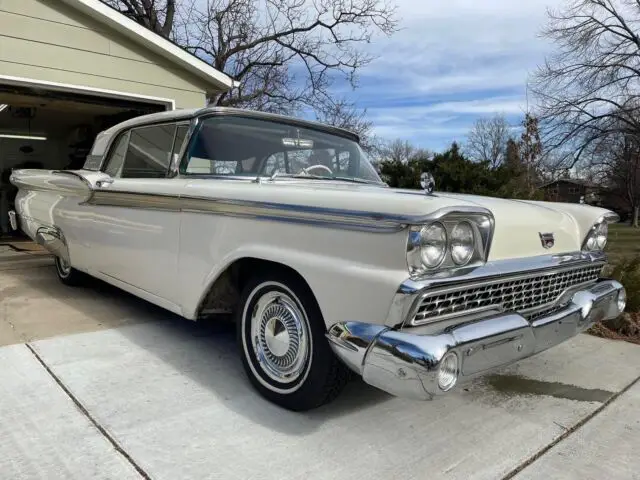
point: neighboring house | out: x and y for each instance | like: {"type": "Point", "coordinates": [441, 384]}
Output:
{"type": "Point", "coordinates": [573, 190]}
{"type": "Point", "coordinates": [70, 68]}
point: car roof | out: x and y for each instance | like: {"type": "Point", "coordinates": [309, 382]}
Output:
{"type": "Point", "coordinates": [188, 114]}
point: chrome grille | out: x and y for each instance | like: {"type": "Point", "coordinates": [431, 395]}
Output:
{"type": "Point", "coordinates": [516, 293]}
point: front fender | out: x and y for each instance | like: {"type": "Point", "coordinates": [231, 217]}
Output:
{"type": "Point", "coordinates": [345, 282]}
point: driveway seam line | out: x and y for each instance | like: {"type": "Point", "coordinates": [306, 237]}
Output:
{"type": "Point", "coordinates": [86, 413]}
{"type": "Point", "coordinates": [568, 432]}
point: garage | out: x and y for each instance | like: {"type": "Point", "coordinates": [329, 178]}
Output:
{"type": "Point", "coordinates": [72, 68]}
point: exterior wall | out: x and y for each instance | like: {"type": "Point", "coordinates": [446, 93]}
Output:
{"type": "Point", "coordinates": [569, 192]}
{"type": "Point", "coordinates": [564, 192]}
{"type": "Point", "coordinates": [47, 40]}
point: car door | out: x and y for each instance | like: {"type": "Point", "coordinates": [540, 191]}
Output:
{"type": "Point", "coordinates": [137, 212]}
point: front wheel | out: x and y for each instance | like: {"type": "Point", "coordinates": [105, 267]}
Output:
{"type": "Point", "coordinates": [282, 341]}
{"type": "Point", "coordinates": [67, 274]}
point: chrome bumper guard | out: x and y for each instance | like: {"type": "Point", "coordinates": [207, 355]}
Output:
{"type": "Point", "coordinates": [420, 366]}
{"type": "Point", "coordinates": [13, 221]}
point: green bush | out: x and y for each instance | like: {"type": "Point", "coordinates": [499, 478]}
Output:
{"type": "Point", "coordinates": [627, 272]}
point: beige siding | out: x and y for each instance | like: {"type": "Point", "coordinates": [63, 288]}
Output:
{"type": "Point", "coordinates": [47, 40]}
{"type": "Point", "coordinates": [182, 98]}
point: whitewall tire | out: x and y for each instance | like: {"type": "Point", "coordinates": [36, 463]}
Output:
{"type": "Point", "coordinates": [281, 335]}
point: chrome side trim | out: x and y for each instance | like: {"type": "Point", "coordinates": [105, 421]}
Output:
{"type": "Point", "coordinates": [53, 240]}
{"type": "Point", "coordinates": [408, 365]}
{"type": "Point", "coordinates": [329, 217]}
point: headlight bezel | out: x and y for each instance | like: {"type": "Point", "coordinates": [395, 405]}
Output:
{"type": "Point", "coordinates": [591, 243]}
{"type": "Point", "coordinates": [482, 225]}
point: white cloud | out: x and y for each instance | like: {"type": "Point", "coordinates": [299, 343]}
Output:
{"type": "Point", "coordinates": [452, 62]}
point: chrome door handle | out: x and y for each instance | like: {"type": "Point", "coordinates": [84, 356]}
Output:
{"type": "Point", "coordinates": [104, 183]}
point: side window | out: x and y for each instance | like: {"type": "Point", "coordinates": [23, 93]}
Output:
{"type": "Point", "coordinates": [116, 158]}
{"type": "Point", "coordinates": [149, 152]}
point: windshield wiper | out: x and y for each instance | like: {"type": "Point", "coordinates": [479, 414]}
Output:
{"type": "Point", "coordinates": [355, 180]}
{"type": "Point", "coordinates": [295, 175]}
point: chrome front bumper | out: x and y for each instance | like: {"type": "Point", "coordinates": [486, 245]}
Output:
{"type": "Point", "coordinates": [409, 365]}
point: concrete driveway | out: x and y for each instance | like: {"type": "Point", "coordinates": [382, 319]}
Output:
{"type": "Point", "coordinates": [98, 384]}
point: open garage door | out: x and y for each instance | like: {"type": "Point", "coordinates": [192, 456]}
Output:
{"type": "Point", "coordinates": [54, 128]}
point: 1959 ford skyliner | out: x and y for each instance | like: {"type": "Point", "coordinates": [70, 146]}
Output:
{"type": "Point", "coordinates": [286, 224]}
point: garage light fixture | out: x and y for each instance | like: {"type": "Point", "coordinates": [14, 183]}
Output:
{"type": "Point", "coordinates": [22, 137]}
{"type": "Point", "coordinates": [3, 106]}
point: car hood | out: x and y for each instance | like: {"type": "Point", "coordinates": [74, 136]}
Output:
{"type": "Point", "coordinates": [518, 223]}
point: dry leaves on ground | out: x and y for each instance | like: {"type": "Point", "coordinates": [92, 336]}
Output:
{"type": "Point", "coordinates": [625, 327]}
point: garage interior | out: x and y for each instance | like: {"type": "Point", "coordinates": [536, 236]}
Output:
{"type": "Point", "coordinates": [52, 129]}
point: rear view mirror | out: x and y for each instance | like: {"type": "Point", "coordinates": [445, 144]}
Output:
{"type": "Point", "coordinates": [297, 142]}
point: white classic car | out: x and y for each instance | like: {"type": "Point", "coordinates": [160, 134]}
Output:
{"type": "Point", "coordinates": [286, 224]}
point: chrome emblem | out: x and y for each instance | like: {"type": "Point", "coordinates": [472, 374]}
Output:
{"type": "Point", "coordinates": [427, 182]}
{"type": "Point", "coordinates": [547, 240]}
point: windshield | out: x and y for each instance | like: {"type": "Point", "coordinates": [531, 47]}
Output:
{"type": "Point", "coordinates": [238, 146]}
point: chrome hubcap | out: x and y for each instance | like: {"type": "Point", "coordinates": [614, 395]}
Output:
{"type": "Point", "coordinates": [279, 337]}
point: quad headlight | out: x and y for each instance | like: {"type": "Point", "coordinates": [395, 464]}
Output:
{"type": "Point", "coordinates": [463, 243]}
{"type": "Point", "coordinates": [433, 244]}
{"type": "Point", "coordinates": [597, 237]}
{"type": "Point", "coordinates": [450, 242]}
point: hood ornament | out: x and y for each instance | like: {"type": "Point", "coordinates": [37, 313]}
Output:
{"type": "Point", "coordinates": [547, 239]}
{"type": "Point", "coordinates": [427, 182]}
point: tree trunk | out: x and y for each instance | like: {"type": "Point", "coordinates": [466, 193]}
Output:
{"type": "Point", "coordinates": [636, 210]}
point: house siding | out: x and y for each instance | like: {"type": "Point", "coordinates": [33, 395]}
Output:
{"type": "Point", "coordinates": [565, 192]}
{"type": "Point", "coordinates": [48, 40]}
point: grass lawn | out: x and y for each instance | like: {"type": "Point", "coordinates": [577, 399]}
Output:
{"type": "Point", "coordinates": [624, 241]}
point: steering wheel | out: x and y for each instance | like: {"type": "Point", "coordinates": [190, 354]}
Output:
{"type": "Point", "coordinates": [319, 165]}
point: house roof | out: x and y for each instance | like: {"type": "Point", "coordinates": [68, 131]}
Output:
{"type": "Point", "coordinates": [154, 42]}
{"type": "Point", "coordinates": [575, 181]}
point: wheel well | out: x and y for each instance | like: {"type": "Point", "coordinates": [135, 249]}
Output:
{"type": "Point", "coordinates": [224, 293]}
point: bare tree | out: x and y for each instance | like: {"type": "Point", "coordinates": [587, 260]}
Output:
{"type": "Point", "coordinates": [284, 54]}
{"type": "Point", "coordinates": [625, 176]}
{"type": "Point", "coordinates": [344, 114]}
{"type": "Point", "coordinates": [616, 160]}
{"type": "Point", "coordinates": [402, 151]}
{"type": "Point", "coordinates": [487, 140]}
{"type": "Point", "coordinates": [590, 88]}
{"type": "Point", "coordinates": [531, 153]}
{"type": "Point", "coordinates": [156, 15]}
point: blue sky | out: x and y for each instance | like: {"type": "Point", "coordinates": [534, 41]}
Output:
{"type": "Point", "coordinates": [452, 62]}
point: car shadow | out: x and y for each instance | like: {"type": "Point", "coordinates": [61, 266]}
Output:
{"type": "Point", "coordinates": [203, 351]}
